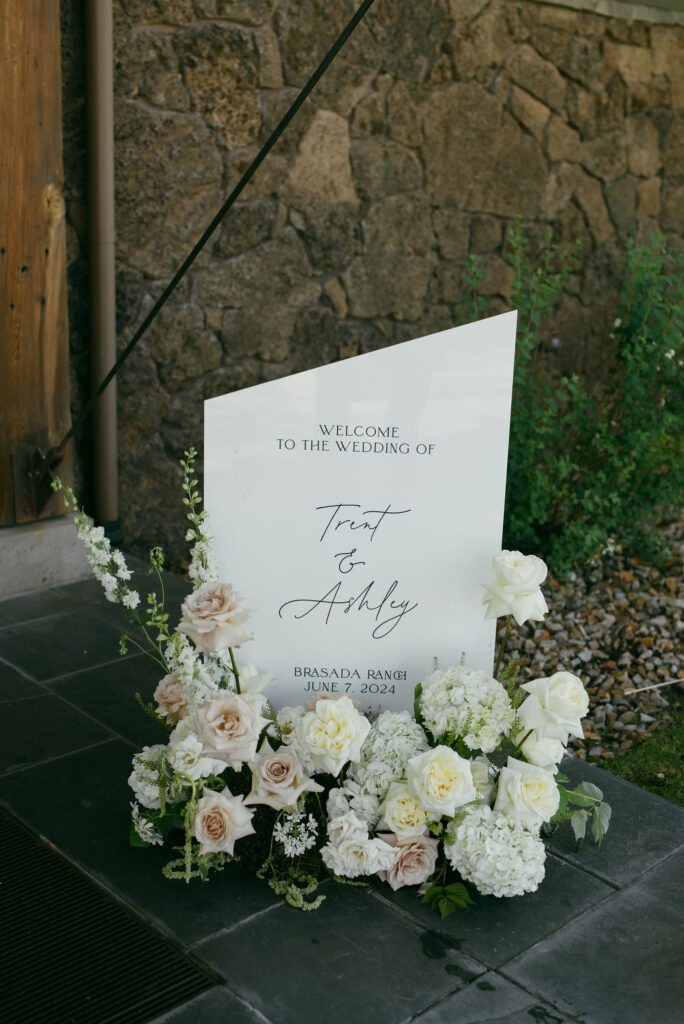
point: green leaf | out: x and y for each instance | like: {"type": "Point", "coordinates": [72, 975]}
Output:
{"type": "Point", "coordinates": [585, 795]}
{"type": "Point", "coordinates": [600, 822]}
{"type": "Point", "coordinates": [563, 805]}
{"type": "Point", "coordinates": [561, 778]}
{"type": "Point", "coordinates": [579, 825]}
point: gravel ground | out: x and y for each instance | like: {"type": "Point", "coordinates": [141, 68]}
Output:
{"type": "Point", "coordinates": [619, 627]}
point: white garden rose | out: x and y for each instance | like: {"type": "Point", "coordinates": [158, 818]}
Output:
{"type": "Point", "coordinates": [214, 617]}
{"type": "Point", "coordinates": [494, 853]}
{"type": "Point", "coordinates": [188, 754]}
{"type": "Point", "coordinates": [346, 826]}
{"type": "Point", "coordinates": [278, 778]}
{"type": "Point", "coordinates": [544, 751]}
{"type": "Point", "coordinates": [415, 860]}
{"type": "Point", "coordinates": [442, 781]}
{"type": "Point", "coordinates": [562, 703]}
{"type": "Point", "coordinates": [220, 820]}
{"type": "Point", "coordinates": [526, 794]}
{"type": "Point", "coordinates": [230, 726]}
{"type": "Point", "coordinates": [515, 589]}
{"type": "Point", "coordinates": [358, 855]}
{"type": "Point", "coordinates": [402, 812]}
{"type": "Point", "coordinates": [333, 734]}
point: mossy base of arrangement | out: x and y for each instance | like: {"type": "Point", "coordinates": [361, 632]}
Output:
{"type": "Point", "coordinates": [454, 798]}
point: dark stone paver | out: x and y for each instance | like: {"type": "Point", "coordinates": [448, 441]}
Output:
{"type": "Point", "coordinates": [380, 965]}
{"type": "Point", "coordinates": [14, 685]}
{"type": "Point", "coordinates": [218, 1006]}
{"type": "Point", "coordinates": [620, 963]}
{"type": "Point", "coordinates": [495, 929]}
{"type": "Point", "coordinates": [107, 692]}
{"type": "Point", "coordinates": [82, 805]}
{"type": "Point", "coordinates": [57, 644]}
{"type": "Point", "coordinates": [42, 727]}
{"type": "Point", "coordinates": [644, 828]}
{"type": "Point", "coordinates": [35, 605]}
{"type": "Point", "coordinates": [491, 999]}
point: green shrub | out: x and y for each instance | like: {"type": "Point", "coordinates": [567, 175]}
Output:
{"type": "Point", "coordinates": [590, 466]}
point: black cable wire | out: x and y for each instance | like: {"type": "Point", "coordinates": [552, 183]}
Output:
{"type": "Point", "coordinates": [209, 230]}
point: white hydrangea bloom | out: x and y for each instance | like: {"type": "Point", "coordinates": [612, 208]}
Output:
{"type": "Point", "coordinates": [144, 779]}
{"type": "Point", "coordinates": [494, 853]}
{"type": "Point", "coordinates": [393, 739]}
{"type": "Point", "coordinates": [468, 703]}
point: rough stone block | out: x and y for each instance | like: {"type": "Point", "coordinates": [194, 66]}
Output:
{"type": "Point", "coordinates": [394, 286]}
{"type": "Point", "coordinates": [536, 75]}
{"type": "Point", "coordinates": [399, 224]}
{"type": "Point", "coordinates": [621, 199]}
{"type": "Point", "coordinates": [321, 168]}
{"type": "Point", "coordinates": [221, 69]}
{"type": "Point", "coordinates": [381, 168]}
{"type": "Point", "coordinates": [452, 230]}
{"type": "Point", "coordinates": [369, 118]}
{"type": "Point", "coordinates": [461, 128]}
{"type": "Point", "coordinates": [605, 156]}
{"type": "Point", "coordinates": [643, 147]}
{"type": "Point", "coordinates": [485, 234]}
{"type": "Point", "coordinates": [529, 111]}
{"type": "Point", "coordinates": [404, 113]}
{"type": "Point", "coordinates": [562, 142]}
{"type": "Point", "coordinates": [648, 198]}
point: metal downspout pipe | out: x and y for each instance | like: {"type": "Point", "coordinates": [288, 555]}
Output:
{"type": "Point", "coordinates": [101, 255]}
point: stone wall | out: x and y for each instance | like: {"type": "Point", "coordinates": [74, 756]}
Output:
{"type": "Point", "coordinates": [438, 124]}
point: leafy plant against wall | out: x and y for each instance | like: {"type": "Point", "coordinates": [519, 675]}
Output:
{"type": "Point", "coordinates": [592, 465]}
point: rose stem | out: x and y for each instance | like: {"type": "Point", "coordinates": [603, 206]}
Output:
{"type": "Point", "coordinates": [235, 670]}
{"type": "Point", "coordinates": [502, 648]}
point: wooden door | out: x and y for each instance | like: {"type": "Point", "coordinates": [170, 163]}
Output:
{"type": "Point", "coordinates": [34, 353]}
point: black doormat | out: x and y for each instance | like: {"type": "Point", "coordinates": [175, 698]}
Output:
{"type": "Point", "coordinates": [70, 954]}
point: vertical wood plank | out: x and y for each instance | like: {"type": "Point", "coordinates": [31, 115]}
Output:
{"type": "Point", "coordinates": [34, 351]}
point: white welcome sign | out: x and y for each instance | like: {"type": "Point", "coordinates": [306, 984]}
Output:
{"type": "Point", "coordinates": [357, 506]}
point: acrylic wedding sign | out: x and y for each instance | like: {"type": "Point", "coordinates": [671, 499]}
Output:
{"type": "Point", "coordinates": [357, 507]}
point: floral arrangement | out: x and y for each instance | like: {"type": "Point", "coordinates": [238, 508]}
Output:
{"type": "Point", "coordinates": [451, 798]}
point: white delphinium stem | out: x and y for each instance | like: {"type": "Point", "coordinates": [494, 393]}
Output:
{"type": "Point", "coordinates": [108, 565]}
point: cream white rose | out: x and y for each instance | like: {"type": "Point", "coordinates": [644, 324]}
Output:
{"type": "Point", "coordinates": [544, 751]}
{"type": "Point", "coordinates": [188, 754]}
{"type": "Point", "coordinates": [415, 860]}
{"type": "Point", "coordinates": [229, 727]}
{"type": "Point", "coordinates": [358, 855]}
{"type": "Point", "coordinates": [333, 734]}
{"type": "Point", "coordinates": [278, 778]}
{"type": "Point", "coordinates": [214, 617]}
{"type": "Point", "coordinates": [442, 781]}
{"type": "Point", "coordinates": [220, 820]}
{"type": "Point", "coordinates": [346, 826]}
{"type": "Point", "coordinates": [526, 794]}
{"type": "Point", "coordinates": [402, 812]}
{"type": "Point", "coordinates": [560, 702]}
{"type": "Point", "coordinates": [170, 702]}
{"type": "Point", "coordinates": [515, 589]}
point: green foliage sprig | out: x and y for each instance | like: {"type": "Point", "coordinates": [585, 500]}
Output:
{"type": "Point", "coordinates": [591, 463]}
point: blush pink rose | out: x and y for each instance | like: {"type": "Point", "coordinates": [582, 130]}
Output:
{"type": "Point", "coordinates": [229, 728]}
{"type": "Point", "coordinates": [278, 778]}
{"type": "Point", "coordinates": [220, 820]}
{"type": "Point", "coordinates": [214, 617]}
{"type": "Point", "coordinates": [170, 703]}
{"type": "Point", "coordinates": [415, 861]}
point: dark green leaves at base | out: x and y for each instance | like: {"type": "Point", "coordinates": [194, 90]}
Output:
{"type": "Point", "coordinates": [448, 898]}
